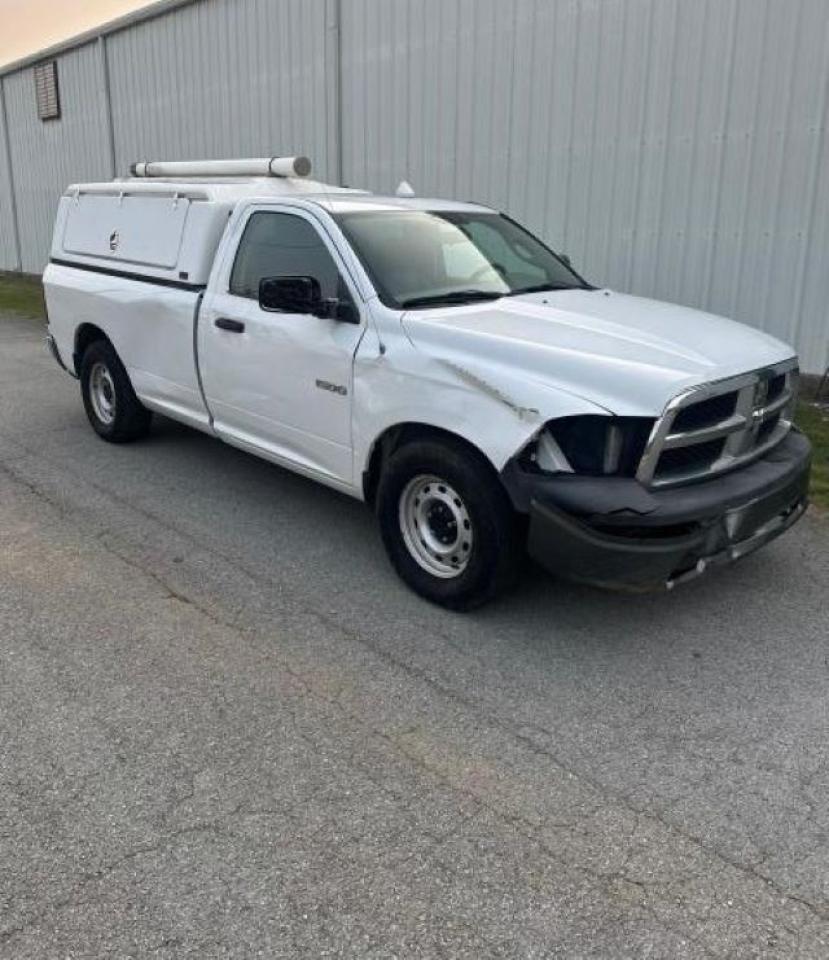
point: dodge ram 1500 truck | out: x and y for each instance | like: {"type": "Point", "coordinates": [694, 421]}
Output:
{"type": "Point", "coordinates": [434, 359]}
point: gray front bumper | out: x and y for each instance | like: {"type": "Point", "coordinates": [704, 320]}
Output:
{"type": "Point", "coordinates": [606, 532]}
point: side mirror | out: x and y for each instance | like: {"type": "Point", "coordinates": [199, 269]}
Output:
{"type": "Point", "coordinates": [290, 294]}
{"type": "Point", "coordinates": [303, 295]}
{"type": "Point", "coordinates": [565, 259]}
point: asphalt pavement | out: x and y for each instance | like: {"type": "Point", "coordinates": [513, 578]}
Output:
{"type": "Point", "coordinates": [228, 730]}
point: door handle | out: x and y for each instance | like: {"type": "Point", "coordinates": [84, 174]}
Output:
{"type": "Point", "coordinates": [232, 326]}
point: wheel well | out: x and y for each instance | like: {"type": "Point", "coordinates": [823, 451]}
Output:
{"type": "Point", "coordinates": [85, 334]}
{"type": "Point", "coordinates": [397, 436]}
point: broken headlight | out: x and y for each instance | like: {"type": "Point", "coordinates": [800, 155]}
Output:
{"type": "Point", "coordinates": [590, 445]}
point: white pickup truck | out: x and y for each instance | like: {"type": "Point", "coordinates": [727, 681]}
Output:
{"type": "Point", "coordinates": [434, 359]}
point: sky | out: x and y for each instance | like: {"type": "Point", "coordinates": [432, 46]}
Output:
{"type": "Point", "coordinates": [27, 26]}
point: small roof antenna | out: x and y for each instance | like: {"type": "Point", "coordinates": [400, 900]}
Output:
{"type": "Point", "coordinates": [404, 189]}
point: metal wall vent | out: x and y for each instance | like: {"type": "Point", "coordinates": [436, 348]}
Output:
{"type": "Point", "coordinates": [46, 90]}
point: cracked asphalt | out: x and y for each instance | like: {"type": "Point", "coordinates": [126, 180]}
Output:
{"type": "Point", "coordinates": [227, 730]}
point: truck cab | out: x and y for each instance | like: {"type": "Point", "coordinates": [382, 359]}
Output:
{"type": "Point", "coordinates": [434, 359]}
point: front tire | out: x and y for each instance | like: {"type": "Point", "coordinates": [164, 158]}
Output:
{"type": "Point", "coordinates": [447, 523]}
{"type": "Point", "coordinates": [113, 409]}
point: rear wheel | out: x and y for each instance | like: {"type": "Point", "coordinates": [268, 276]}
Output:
{"type": "Point", "coordinates": [447, 524]}
{"type": "Point", "coordinates": [113, 409]}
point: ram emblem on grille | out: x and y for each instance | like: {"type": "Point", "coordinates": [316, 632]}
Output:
{"type": "Point", "coordinates": [761, 395]}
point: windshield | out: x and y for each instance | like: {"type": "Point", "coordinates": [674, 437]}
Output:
{"type": "Point", "coordinates": [420, 258]}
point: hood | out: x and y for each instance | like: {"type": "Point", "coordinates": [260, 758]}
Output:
{"type": "Point", "coordinates": [626, 354]}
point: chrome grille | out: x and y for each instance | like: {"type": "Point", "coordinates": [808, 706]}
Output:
{"type": "Point", "coordinates": [706, 412]}
{"type": "Point", "coordinates": [720, 426]}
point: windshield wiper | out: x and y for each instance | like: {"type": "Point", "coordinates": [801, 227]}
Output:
{"type": "Point", "coordinates": [540, 287]}
{"type": "Point", "coordinates": [456, 296]}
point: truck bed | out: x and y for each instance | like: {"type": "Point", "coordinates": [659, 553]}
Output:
{"type": "Point", "coordinates": [151, 326]}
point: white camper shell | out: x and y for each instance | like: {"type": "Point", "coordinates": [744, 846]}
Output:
{"type": "Point", "coordinates": [434, 359]}
{"type": "Point", "coordinates": [167, 223]}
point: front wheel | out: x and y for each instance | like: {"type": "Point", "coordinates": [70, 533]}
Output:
{"type": "Point", "coordinates": [114, 411]}
{"type": "Point", "coordinates": [447, 523]}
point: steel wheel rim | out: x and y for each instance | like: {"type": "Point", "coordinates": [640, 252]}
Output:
{"type": "Point", "coordinates": [436, 526]}
{"type": "Point", "coordinates": [102, 393]}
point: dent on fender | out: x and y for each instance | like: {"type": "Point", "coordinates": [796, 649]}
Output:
{"type": "Point", "coordinates": [433, 391]}
{"type": "Point", "coordinates": [523, 413]}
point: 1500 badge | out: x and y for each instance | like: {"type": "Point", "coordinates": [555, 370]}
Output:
{"type": "Point", "coordinates": [332, 387]}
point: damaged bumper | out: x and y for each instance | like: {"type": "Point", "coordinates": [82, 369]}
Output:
{"type": "Point", "coordinates": [614, 532]}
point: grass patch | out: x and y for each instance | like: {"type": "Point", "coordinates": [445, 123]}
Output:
{"type": "Point", "coordinates": [814, 422]}
{"type": "Point", "coordinates": [21, 295]}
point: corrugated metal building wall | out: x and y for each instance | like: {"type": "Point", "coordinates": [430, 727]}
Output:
{"type": "Point", "coordinates": [46, 155]}
{"type": "Point", "coordinates": [674, 148]}
{"type": "Point", "coordinates": [219, 79]}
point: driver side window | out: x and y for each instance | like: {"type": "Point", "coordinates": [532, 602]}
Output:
{"type": "Point", "coordinates": [283, 245]}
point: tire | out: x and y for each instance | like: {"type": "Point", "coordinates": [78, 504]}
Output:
{"type": "Point", "coordinates": [114, 411]}
{"type": "Point", "coordinates": [447, 524]}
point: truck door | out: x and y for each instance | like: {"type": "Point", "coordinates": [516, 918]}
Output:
{"type": "Point", "coordinates": [281, 383]}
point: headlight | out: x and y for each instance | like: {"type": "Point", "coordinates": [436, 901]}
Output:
{"type": "Point", "coordinates": [591, 445]}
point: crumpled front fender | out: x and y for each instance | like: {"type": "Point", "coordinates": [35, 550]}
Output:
{"type": "Point", "coordinates": [495, 411]}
